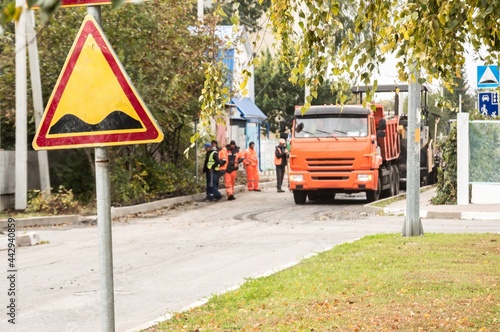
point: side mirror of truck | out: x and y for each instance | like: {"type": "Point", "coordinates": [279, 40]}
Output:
{"type": "Point", "coordinates": [382, 125]}
{"type": "Point", "coordinates": [299, 127]}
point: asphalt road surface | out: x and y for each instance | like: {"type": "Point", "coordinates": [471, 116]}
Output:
{"type": "Point", "coordinates": [169, 259]}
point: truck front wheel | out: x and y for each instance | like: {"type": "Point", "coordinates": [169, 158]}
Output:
{"type": "Point", "coordinates": [374, 195]}
{"type": "Point", "coordinates": [299, 196]}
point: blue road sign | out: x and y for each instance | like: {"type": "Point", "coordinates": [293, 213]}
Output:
{"type": "Point", "coordinates": [487, 77]}
{"type": "Point", "coordinates": [488, 103]}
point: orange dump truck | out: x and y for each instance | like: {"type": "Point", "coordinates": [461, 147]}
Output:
{"type": "Point", "coordinates": [343, 149]}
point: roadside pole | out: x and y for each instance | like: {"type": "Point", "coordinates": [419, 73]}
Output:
{"type": "Point", "coordinates": [196, 151]}
{"type": "Point", "coordinates": [36, 87]}
{"type": "Point", "coordinates": [84, 68]}
{"type": "Point", "coordinates": [21, 153]}
{"type": "Point", "coordinates": [105, 241]}
{"type": "Point", "coordinates": [413, 224]}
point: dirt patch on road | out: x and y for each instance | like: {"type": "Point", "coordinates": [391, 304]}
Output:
{"type": "Point", "coordinates": [353, 212]}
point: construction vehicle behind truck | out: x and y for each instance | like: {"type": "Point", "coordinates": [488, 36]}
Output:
{"type": "Point", "coordinates": [429, 155]}
{"type": "Point", "coordinates": [343, 149]}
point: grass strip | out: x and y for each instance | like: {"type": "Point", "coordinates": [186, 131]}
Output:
{"type": "Point", "coordinates": [436, 282]}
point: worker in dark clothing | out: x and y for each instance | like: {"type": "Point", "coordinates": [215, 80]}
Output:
{"type": "Point", "coordinates": [280, 161]}
{"type": "Point", "coordinates": [210, 168]}
{"type": "Point", "coordinates": [215, 146]}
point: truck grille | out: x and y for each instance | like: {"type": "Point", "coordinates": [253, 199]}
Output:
{"type": "Point", "coordinates": [327, 164]}
{"type": "Point", "coordinates": [329, 178]}
{"type": "Point", "coordinates": [321, 168]}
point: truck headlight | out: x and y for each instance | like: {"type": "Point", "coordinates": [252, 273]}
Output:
{"type": "Point", "coordinates": [297, 178]}
{"type": "Point", "coordinates": [364, 177]}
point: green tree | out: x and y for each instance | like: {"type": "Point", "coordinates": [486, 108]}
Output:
{"type": "Point", "coordinates": [425, 35]}
{"type": "Point", "coordinates": [431, 36]}
{"type": "Point", "coordinates": [445, 104]}
{"type": "Point", "coordinates": [250, 11]}
{"type": "Point", "coordinates": [276, 95]}
{"type": "Point", "coordinates": [164, 55]}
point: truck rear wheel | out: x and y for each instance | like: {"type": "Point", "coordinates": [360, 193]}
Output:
{"type": "Point", "coordinates": [392, 184]}
{"type": "Point", "coordinates": [396, 179]}
{"type": "Point", "coordinates": [299, 197]}
{"type": "Point", "coordinates": [374, 195]}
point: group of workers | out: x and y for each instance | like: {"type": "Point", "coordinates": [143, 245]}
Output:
{"type": "Point", "coordinates": [224, 162]}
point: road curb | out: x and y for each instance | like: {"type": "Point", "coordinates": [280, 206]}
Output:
{"type": "Point", "coordinates": [116, 211]}
{"type": "Point", "coordinates": [23, 239]}
{"type": "Point", "coordinates": [45, 221]}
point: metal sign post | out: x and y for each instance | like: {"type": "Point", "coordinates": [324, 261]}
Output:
{"type": "Point", "coordinates": [76, 118]}
{"type": "Point", "coordinates": [105, 241]}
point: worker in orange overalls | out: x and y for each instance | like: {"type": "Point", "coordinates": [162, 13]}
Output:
{"type": "Point", "coordinates": [233, 157]}
{"type": "Point", "coordinates": [252, 167]}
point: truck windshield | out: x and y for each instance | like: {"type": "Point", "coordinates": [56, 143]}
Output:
{"type": "Point", "coordinates": [343, 126]}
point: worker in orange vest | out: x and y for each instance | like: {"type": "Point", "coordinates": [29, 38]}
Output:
{"type": "Point", "coordinates": [252, 167]}
{"type": "Point", "coordinates": [233, 157]}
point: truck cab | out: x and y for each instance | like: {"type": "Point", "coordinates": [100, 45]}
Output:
{"type": "Point", "coordinates": [342, 149]}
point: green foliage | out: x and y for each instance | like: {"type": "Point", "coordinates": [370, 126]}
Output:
{"type": "Point", "coordinates": [60, 202]}
{"type": "Point", "coordinates": [276, 95]}
{"type": "Point", "coordinates": [72, 169]}
{"type": "Point", "coordinates": [250, 11]}
{"type": "Point", "coordinates": [7, 94]}
{"type": "Point", "coordinates": [164, 56]}
{"type": "Point", "coordinates": [426, 37]}
{"type": "Point", "coordinates": [446, 190]}
{"type": "Point", "coordinates": [47, 8]}
{"type": "Point", "coordinates": [135, 179]}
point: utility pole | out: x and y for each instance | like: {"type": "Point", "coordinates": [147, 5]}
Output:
{"type": "Point", "coordinates": [36, 88]}
{"type": "Point", "coordinates": [200, 10]}
{"type": "Point", "coordinates": [21, 154]}
{"type": "Point", "coordinates": [413, 224]}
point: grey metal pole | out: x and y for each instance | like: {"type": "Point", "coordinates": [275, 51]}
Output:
{"type": "Point", "coordinates": [107, 302]}
{"type": "Point", "coordinates": [196, 151]}
{"type": "Point", "coordinates": [21, 153]}
{"type": "Point", "coordinates": [413, 224]}
{"type": "Point", "coordinates": [36, 89]}
{"type": "Point", "coordinates": [105, 241]}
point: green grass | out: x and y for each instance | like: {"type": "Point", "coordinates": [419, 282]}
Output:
{"type": "Point", "coordinates": [385, 202]}
{"type": "Point", "coordinates": [434, 282]}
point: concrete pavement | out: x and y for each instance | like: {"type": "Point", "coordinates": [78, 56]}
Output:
{"type": "Point", "coordinates": [430, 211]}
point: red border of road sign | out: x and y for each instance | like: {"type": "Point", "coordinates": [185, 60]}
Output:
{"type": "Point", "coordinates": [76, 3]}
{"type": "Point", "coordinates": [152, 134]}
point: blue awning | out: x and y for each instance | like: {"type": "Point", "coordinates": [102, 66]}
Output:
{"type": "Point", "coordinates": [248, 110]}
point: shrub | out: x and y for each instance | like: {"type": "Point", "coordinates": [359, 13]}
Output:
{"type": "Point", "coordinates": [446, 190]}
{"type": "Point", "coordinates": [60, 202]}
{"type": "Point", "coordinates": [139, 179]}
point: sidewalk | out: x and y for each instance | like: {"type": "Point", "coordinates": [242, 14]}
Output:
{"type": "Point", "coordinates": [429, 211]}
